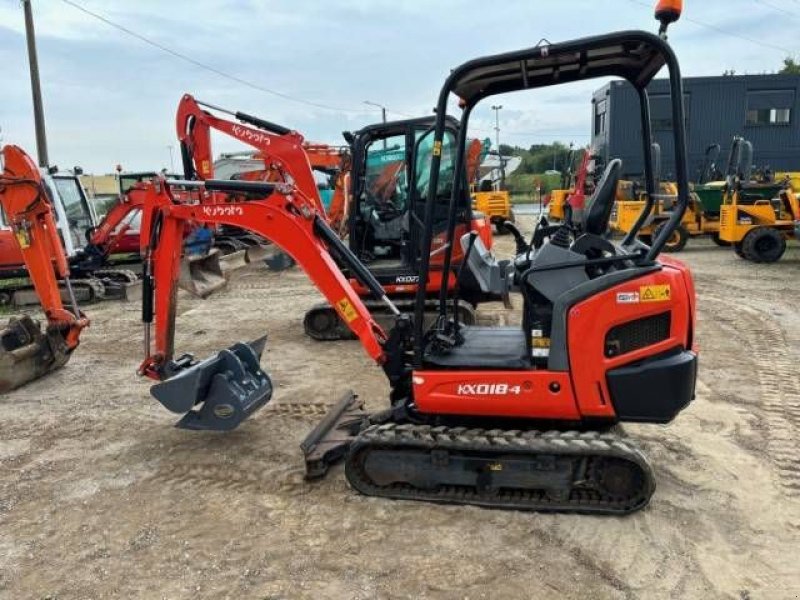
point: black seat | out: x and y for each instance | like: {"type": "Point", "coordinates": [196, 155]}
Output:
{"type": "Point", "coordinates": [485, 348]}
{"type": "Point", "coordinates": [599, 207]}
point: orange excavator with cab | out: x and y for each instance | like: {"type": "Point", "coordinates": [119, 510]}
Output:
{"type": "Point", "coordinates": [382, 207]}
{"type": "Point", "coordinates": [27, 352]}
{"type": "Point", "coordinates": [517, 416]}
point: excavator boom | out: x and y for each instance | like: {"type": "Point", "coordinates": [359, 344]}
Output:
{"type": "Point", "coordinates": [25, 352]}
{"type": "Point", "coordinates": [281, 214]}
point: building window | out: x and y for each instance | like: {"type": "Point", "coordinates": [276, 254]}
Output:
{"type": "Point", "coordinates": [661, 111]}
{"type": "Point", "coordinates": [769, 116]}
{"type": "Point", "coordinates": [600, 118]}
{"type": "Point", "coordinates": [769, 107]}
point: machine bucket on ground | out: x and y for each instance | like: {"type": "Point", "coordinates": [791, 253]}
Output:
{"type": "Point", "coordinates": [26, 353]}
{"type": "Point", "coordinates": [220, 392]}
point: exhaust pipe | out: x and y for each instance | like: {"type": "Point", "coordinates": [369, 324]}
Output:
{"type": "Point", "coordinates": [220, 392]}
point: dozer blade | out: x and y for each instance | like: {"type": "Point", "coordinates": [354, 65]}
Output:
{"type": "Point", "coordinates": [27, 354]}
{"type": "Point", "coordinates": [330, 440]}
{"type": "Point", "coordinates": [233, 261]}
{"type": "Point", "coordinates": [202, 275]}
{"type": "Point", "coordinates": [229, 387]}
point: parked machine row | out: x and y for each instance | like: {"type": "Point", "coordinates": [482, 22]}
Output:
{"type": "Point", "coordinates": [516, 416]}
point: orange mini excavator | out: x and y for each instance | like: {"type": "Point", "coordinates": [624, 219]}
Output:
{"type": "Point", "coordinates": [25, 352]}
{"type": "Point", "coordinates": [505, 417]}
{"type": "Point", "coordinates": [382, 201]}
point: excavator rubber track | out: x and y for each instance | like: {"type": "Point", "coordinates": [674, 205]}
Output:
{"type": "Point", "coordinates": [552, 471]}
{"type": "Point", "coordinates": [86, 291]}
{"type": "Point", "coordinates": [322, 322]}
{"type": "Point", "coordinates": [120, 284]}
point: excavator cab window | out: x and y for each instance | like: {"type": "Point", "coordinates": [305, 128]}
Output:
{"type": "Point", "coordinates": [384, 206]}
{"type": "Point", "coordinates": [76, 207]}
{"type": "Point", "coordinates": [422, 170]}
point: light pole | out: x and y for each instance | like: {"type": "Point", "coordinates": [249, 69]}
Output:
{"type": "Point", "coordinates": [383, 115]}
{"type": "Point", "coordinates": [36, 88]}
{"type": "Point", "coordinates": [171, 159]}
{"type": "Point", "coordinates": [496, 108]}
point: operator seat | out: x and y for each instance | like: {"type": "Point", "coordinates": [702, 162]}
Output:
{"type": "Point", "coordinates": [598, 209]}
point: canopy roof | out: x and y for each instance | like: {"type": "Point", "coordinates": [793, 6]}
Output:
{"type": "Point", "coordinates": [633, 55]}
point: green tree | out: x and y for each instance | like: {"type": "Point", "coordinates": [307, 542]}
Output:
{"type": "Point", "coordinates": [790, 67]}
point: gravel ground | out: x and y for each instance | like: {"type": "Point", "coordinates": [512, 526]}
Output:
{"type": "Point", "coordinates": [101, 498]}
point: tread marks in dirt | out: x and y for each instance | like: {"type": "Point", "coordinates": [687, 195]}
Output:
{"type": "Point", "coordinates": [779, 382]}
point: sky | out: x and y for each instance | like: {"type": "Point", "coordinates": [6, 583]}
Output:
{"type": "Point", "coordinates": [110, 98]}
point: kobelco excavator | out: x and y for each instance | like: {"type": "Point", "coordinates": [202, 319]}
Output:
{"type": "Point", "coordinates": [503, 417]}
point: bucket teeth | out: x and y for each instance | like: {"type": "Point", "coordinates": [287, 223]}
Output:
{"type": "Point", "coordinates": [228, 388]}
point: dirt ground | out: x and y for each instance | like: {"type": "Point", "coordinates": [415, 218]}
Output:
{"type": "Point", "coordinates": [100, 497]}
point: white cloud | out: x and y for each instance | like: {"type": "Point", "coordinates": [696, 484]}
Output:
{"type": "Point", "coordinates": [110, 97]}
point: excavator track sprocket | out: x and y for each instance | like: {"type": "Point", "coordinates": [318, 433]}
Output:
{"type": "Point", "coordinates": [553, 471]}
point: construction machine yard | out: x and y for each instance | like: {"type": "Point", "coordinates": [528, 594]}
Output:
{"type": "Point", "coordinates": [101, 497]}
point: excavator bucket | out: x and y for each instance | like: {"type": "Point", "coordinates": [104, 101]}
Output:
{"type": "Point", "coordinates": [217, 394]}
{"type": "Point", "coordinates": [201, 276]}
{"type": "Point", "coordinates": [233, 260]}
{"type": "Point", "coordinates": [257, 252]}
{"type": "Point", "coordinates": [27, 354]}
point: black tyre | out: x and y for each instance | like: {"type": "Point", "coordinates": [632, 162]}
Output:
{"type": "Point", "coordinates": [737, 247]}
{"type": "Point", "coordinates": [677, 241]}
{"type": "Point", "coordinates": [719, 241]}
{"type": "Point", "coordinates": [763, 245]}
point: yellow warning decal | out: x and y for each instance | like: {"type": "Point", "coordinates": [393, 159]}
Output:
{"type": "Point", "coordinates": [23, 239]}
{"type": "Point", "coordinates": [654, 293]}
{"type": "Point", "coordinates": [437, 148]}
{"type": "Point", "coordinates": [346, 310]}
{"type": "Point", "coordinates": [205, 167]}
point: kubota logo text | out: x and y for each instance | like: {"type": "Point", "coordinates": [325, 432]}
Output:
{"type": "Point", "coordinates": [488, 389]}
{"type": "Point", "coordinates": [249, 135]}
{"type": "Point", "coordinates": [223, 211]}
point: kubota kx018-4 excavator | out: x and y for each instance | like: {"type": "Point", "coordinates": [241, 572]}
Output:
{"type": "Point", "coordinates": [383, 222]}
{"type": "Point", "coordinates": [27, 353]}
{"type": "Point", "coordinates": [504, 417]}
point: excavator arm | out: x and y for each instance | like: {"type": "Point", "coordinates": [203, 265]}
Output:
{"type": "Point", "coordinates": [282, 149]}
{"type": "Point", "coordinates": [25, 353]}
{"type": "Point", "coordinates": [285, 216]}
{"type": "Point", "coordinates": [231, 386]}
{"type": "Point", "coordinates": [114, 226]}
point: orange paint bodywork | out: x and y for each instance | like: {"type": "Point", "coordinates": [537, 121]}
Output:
{"type": "Point", "coordinates": [24, 202]}
{"type": "Point", "coordinates": [583, 391]}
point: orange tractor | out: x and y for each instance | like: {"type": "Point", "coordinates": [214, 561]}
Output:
{"type": "Point", "coordinates": [26, 352]}
{"type": "Point", "coordinates": [505, 417]}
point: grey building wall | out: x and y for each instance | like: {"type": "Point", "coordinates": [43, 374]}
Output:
{"type": "Point", "coordinates": [765, 109]}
